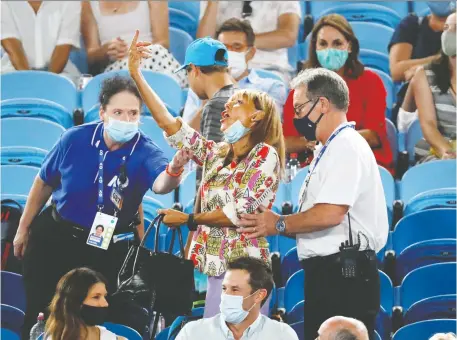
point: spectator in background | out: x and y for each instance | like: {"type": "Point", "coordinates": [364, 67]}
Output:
{"type": "Point", "coordinates": [335, 47]}
{"type": "Point", "coordinates": [245, 289]}
{"type": "Point", "coordinates": [107, 28]}
{"type": "Point", "coordinates": [433, 88]}
{"type": "Point", "coordinates": [416, 41]}
{"type": "Point", "coordinates": [275, 25]}
{"type": "Point", "coordinates": [79, 308]}
{"type": "Point", "coordinates": [238, 37]}
{"type": "Point", "coordinates": [442, 336]}
{"type": "Point", "coordinates": [342, 328]}
{"type": "Point", "coordinates": [39, 35]}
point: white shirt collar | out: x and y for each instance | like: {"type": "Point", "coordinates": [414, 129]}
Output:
{"type": "Point", "coordinates": [250, 330]}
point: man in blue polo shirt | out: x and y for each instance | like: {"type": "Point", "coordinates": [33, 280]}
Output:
{"type": "Point", "coordinates": [97, 174]}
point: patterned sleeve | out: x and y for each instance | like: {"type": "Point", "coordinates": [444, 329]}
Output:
{"type": "Point", "coordinates": [188, 138]}
{"type": "Point", "coordinates": [256, 186]}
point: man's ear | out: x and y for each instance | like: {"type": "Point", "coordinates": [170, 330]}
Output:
{"type": "Point", "coordinates": [256, 117]}
{"type": "Point", "coordinates": [102, 114]}
{"type": "Point", "coordinates": [251, 53]}
{"type": "Point", "coordinates": [325, 105]}
{"type": "Point", "coordinates": [261, 296]}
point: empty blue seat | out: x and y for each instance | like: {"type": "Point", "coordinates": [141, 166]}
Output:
{"type": "Point", "coordinates": [285, 244]}
{"type": "Point", "coordinates": [150, 206]}
{"type": "Point", "coordinates": [38, 94]}
{"type": "Point", "coordinates": [294, 290]}
{"type": "Point", "coordinates": [435, 307]}
{"type": "Point", "coordinates": [282, 195]}
{"type": "Point", "coordinates": [297, 184]}
{"type": "Point", "coordinates": [297, 313]}
{"type": "Point", "coordinates": [289, 264]}
{"type": "Point", "coordinates": [197, 313]}
{"type": "Point", "coordinates": [150, 128]}
{"type": "Point", "coordinates": [375, 60]}
{"type": "Point", "coordinates": [390, 89]}
{"type": "Point", "coordinates": [124, 331]}
{"type": "Point", "coordinates": [163, 335]}
{"type": "Point", "coordinates": [188, 188]}
{"type": "Point", "coordinates": [12, 318]}
{"type": "Point", "coordinates": [365, 31]}
{"type": "Point", "coordinates": [183, 21]}
{"type": "Point", "coordinates": [7, 334]}
{"type": "Point", "coordinates": [375, 13]}
{"type": "Point", "coordinates": [421, 8]}
{"type": "Point", "coordinates": [179, 40]}
{"type": "Point", "coordinates": [400, 7]}
{"type": "Point", "coordinates": [412, 137]}
{"type": "Point", "coordinates": [425, 329]}
{"type": "Point", "coordinates": [17, 179]}
{"type": "Point", "coordinates": [23, 145]}
{"type": "Point", "coordinates": [13, 292]}
{"type": "Point", "coordinates": [299, 328]}
{"type": "Point", "coordinates": [388, 185]}
{"type": "Point", "coordinates": [190, 7]}
{"type": "Point", "coordinates": [166, 200]}
{"type": "Point", "coordinates": [392, 136]}
{"type": "Point", "coordinates": [428, 281]}
{"type": "Point", "coordinates": [387, 293]}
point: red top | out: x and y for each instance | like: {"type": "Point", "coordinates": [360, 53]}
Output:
{"type": "Point", "coordinates": [367, 106]}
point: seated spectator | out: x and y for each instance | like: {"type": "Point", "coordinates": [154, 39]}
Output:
{"type": "Point", "coordinates": [334, 46]}
{"type": "Point", "coordinates": [107, 28]}
{"type": "Point", "coordinates": [39, 35]}
{"type": "Point", "coordinates": [443, 336]}
{"type": "Point", "coordinates": [342, 328]}
{"type": "Point", "coordinates": [416, 41]}
{"type": "Point", "coordinates": [275, 25]}
{"type": "Point", "coordinates": [239, 38]}
{"type": "Point", "coordinates": [246, 286]}
{"type": "Point", "coordinates": [433, 88]}
{"type": "Point", "coordinates": [79, 307]}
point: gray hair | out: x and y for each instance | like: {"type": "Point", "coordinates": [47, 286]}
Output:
{"type": "Point", "coordinates": [321, 82]}
{"type": "Point", "coordinates": [344, 334]}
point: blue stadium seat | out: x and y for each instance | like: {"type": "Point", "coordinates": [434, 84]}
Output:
{"type": "Point", "coordinates": [421, 8]}
{"type": "Point", "coordinates": [392, 136]}
{"type": "Point", "coordinates": [289, 264]}
{"type": "Point", "coordinates": [179, 40]}
{"type": "Point", "coordinates": [375, 60]}
{"type": "Point", "coordinates": [163, 335]}
{"type": "Point", "coordinates": [13, 293]}
{"type": "Point", "coordinates": [425, 329]}
{"type": "Point", "coordinates": [390, 89]}
{"type": "Point", "coordinates": [166, 200]}
{"type": "Point", "coordinates": [294, 290]}
{"type": "Point", "coordinates": [78, 56]}
{"type": "Point", "coordinates": [268, 74]}
{"type": "Point", "coordinates": [17, 179]}
{"type": "Point", "coordinates": [365, 31]}
{"type": "Point", "coordinates": [124, 331]}
{"type": "Point", "coordinates": [12, 318]}
{"type": "Point", "coordinates": [412, 137]}
{"type": "Point", "coordinates": [387, 293]}
{"type": "Point", "coordinates": [296, 184]}
{"type": "Point", "coordinates": [183, 21]}
{"type": "Point", "coordinates": [7, 334]}
{"type": "Point", "coordinates": [366, 13]}
{"type": "Point", "coordinates": [435, 307]}
{"type": "Point", "coordinates": [190, 7]}
{"type": "Point", "coordinates": [150, 206]}
{"type": "Point", "coordinates": [285, 244]}
{"type": "Point", "coordinates": [297, 313]}
{"type": "Point", "coordinates": [299, 328]}
{"type": "Point", "coordinates": [188, 188]}
{"type": "Point", "coordinates": [400, 7]}
{"type": "Point", "coordinates": [383, 324]}
{"type": "Point", "coordinates": [22, 145]}
{"type": "Point", "coordinates": [150, 128]}
{"type": "Point", "coordinates": [388, 185]}
{"type": "Point", "coordinates": [197, 313]}
{"type": "Point", "coordinates": [282, 195]}
{"type": "Point", "coordinates": [437, 191]}
{"type": "Point", "coordinates": [428, 281]}
{"type": "Point", "coordinates": [165, 86]}
{"type": "Point", "coordinates": [38, 94]}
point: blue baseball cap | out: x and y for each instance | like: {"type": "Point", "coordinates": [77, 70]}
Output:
{"type": "Point", "coordinates": [205, 52]}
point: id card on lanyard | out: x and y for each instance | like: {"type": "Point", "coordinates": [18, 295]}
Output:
{"type": "Point", "coordinates": [313, 165]}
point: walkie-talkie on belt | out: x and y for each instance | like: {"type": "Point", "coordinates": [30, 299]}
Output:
{"type": "Point", "coordinates": [349, 254]}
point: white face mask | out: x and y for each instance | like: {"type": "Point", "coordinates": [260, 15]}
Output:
{"type": "Point", "coordinates": [232, 308]}
{"type": "Point", "coordinates": [237, 63]}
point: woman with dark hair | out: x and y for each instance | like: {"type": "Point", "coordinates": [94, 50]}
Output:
{"type": "Point", "coordinates": [79, 307]}
{"type": "Point", "coordinates": [97, 174]}
{"type": "Point", "coordinates": [334, 46]}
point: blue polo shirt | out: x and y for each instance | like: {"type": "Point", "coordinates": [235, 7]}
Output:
{"type": "Point", "coordinates": [71, 169]}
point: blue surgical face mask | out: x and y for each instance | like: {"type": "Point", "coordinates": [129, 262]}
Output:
{"type": "Point", "coordinates": [441, 8]}
{"type": "Point", "coordinates": [120, 131]}
{"type": "Point", "coordinates": [235, 132]}
{"type": "Point", "coordinates": [332, 59]}
{"type": "Point", "coordinates": [232, 308]}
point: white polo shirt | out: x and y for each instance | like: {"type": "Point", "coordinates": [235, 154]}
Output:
{"type": "Point", "coordinates": [347, 174]}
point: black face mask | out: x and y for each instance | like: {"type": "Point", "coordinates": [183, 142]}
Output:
{"type": "Point", "coordinates": [305, 126]}
{"type": "Point", "coordinates": [93, 316]}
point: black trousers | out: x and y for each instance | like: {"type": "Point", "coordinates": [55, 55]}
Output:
{"type": "Point", "coordinates": [328, 293]}
{"type": "Point", "coordinates": [55, 248]}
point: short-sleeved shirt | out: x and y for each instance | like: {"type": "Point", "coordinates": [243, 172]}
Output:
{"type": "Point", "coordinates": [71, 169]}
{"type": "Point", "coordinates": [56, 23]}
{"type": "Point", "coordinates": [273, 87]}
{"type": "Point", "coordinates": [264, 18]}
{"type": "Point", "coordinates": [417, 32]}
{"type": "Point", "coordinates": [234, 188]}
{"type": "Point", "coordinates": [347, 174]}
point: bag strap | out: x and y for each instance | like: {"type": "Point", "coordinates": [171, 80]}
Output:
{"type": "Point", "coordinates": [180, 240]}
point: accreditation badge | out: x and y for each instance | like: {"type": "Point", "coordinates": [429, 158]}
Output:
{"type": "Point", "coordinates": [102, 230]}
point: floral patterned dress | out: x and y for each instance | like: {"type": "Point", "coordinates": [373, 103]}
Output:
{"type": "Point", "coordinates": [236, 189]}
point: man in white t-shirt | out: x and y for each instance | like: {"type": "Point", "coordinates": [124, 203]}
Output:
{"type": "Point", "coordinates": [275, 25]}
{"type": "Point", "coordinates": [342, 192]}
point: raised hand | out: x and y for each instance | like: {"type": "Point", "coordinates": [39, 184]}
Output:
{"type": "Point", "coordinates": [181, 158]}
{"type": "Point", "coordinates": [137, 51]}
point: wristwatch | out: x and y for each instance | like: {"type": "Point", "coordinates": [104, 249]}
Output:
{"type": "Point", "coordinates": [281, 224]}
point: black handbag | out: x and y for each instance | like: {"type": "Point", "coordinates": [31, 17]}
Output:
{"type": "Point", "coordinates": [152, 282]}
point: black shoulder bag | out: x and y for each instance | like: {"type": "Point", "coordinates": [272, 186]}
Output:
{"type": "Point", "coordinates": [11, 214]}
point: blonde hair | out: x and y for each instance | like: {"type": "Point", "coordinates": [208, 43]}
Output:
{"type": "Point", "coordinates": [269, 129]}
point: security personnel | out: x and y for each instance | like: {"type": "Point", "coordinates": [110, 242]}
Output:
{"type": "Point", "coordinates": [97, 174]}
{"type": "Point", "coordinates": [342, 219]}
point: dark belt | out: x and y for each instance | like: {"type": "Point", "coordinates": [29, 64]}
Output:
{"type": "Point", "coordinates": [77, 230]}
{"type": "Point", "coordinates": [334, 258]}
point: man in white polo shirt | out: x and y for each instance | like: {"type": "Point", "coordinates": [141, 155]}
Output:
{"type": "Point", "coordinates": [342, 221]}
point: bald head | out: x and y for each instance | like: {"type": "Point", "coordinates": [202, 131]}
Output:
{"type": "Point", "coordinates": [342, 328]}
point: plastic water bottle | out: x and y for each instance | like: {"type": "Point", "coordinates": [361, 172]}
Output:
{"type": "Point", "coordinates": [38, 328]}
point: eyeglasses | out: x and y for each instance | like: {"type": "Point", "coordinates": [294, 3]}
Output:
{"type": "Point", "coordinates": [298, 109]}
{"type": "Point", "coordinates": [247, 9]}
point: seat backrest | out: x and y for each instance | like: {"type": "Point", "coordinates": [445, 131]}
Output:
{"type": "Point", "coordinates": [297, 313]}
{"type": "Point", "coordinates": [424, 282]}
{"type": "Point", "coordinates": [365, 31]}
{"type": "Point", "coordinates": [413, 135]}
{"type": "Point", "coordinates": [392, 137]}
{"type": "Point", "coordinates": [183, 21]}
{"type": "Point", "coordinates": [188, 188]}
{"type": "Point", "coordinates": [297, 184]}
{"type": "Point", "coordinates": [179, 40]}
{"type": "Point", "coordinates": [299, 328]}
{"type": "Point", "coordinates": [13, 292]}
{"type": "Point", "coordinates": [294, 291]}
{"type": "Point", "coordinates": [7, 334]}
{"type": "Point", "coordinates": [282, 195]}
{"type": "Point", "coordinates": [388, 85]}
{"type": "Point", "coordinates": [435, 307]}
{"type": "Point", "coordinates": [23, 132]}
{"type": "Point", "coordinates": [190, 7]}
{"type": "Point", "coordinates": [420, 7]}
{"type": "Point", "coordinates": [425, 329]}
{"type": "Point", "coordinates": [41, 85]}
{"type": "Point", "coordinates": [424, 225]}
{"type": "Point", "coordinates": [12, 317]}
{"type": "Point", "coordinates": [17, 179]}
{"type": "Point", "coordinates": [388, 185]}
{"type": "Point", "coordinates": [438, 175]}
{"type": "Point", "coordinates": [124, 331]}
{"type": "Point", "coordinates": [290, 264]}
{"type": "Point", "coordinates": [375, 60]}
{"type": "Point", "coordinates": [387, 292]}
{"type": "Point", "coordinates": [400, 7]}
{"type": "Point", "coordinates": [150, 128]}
